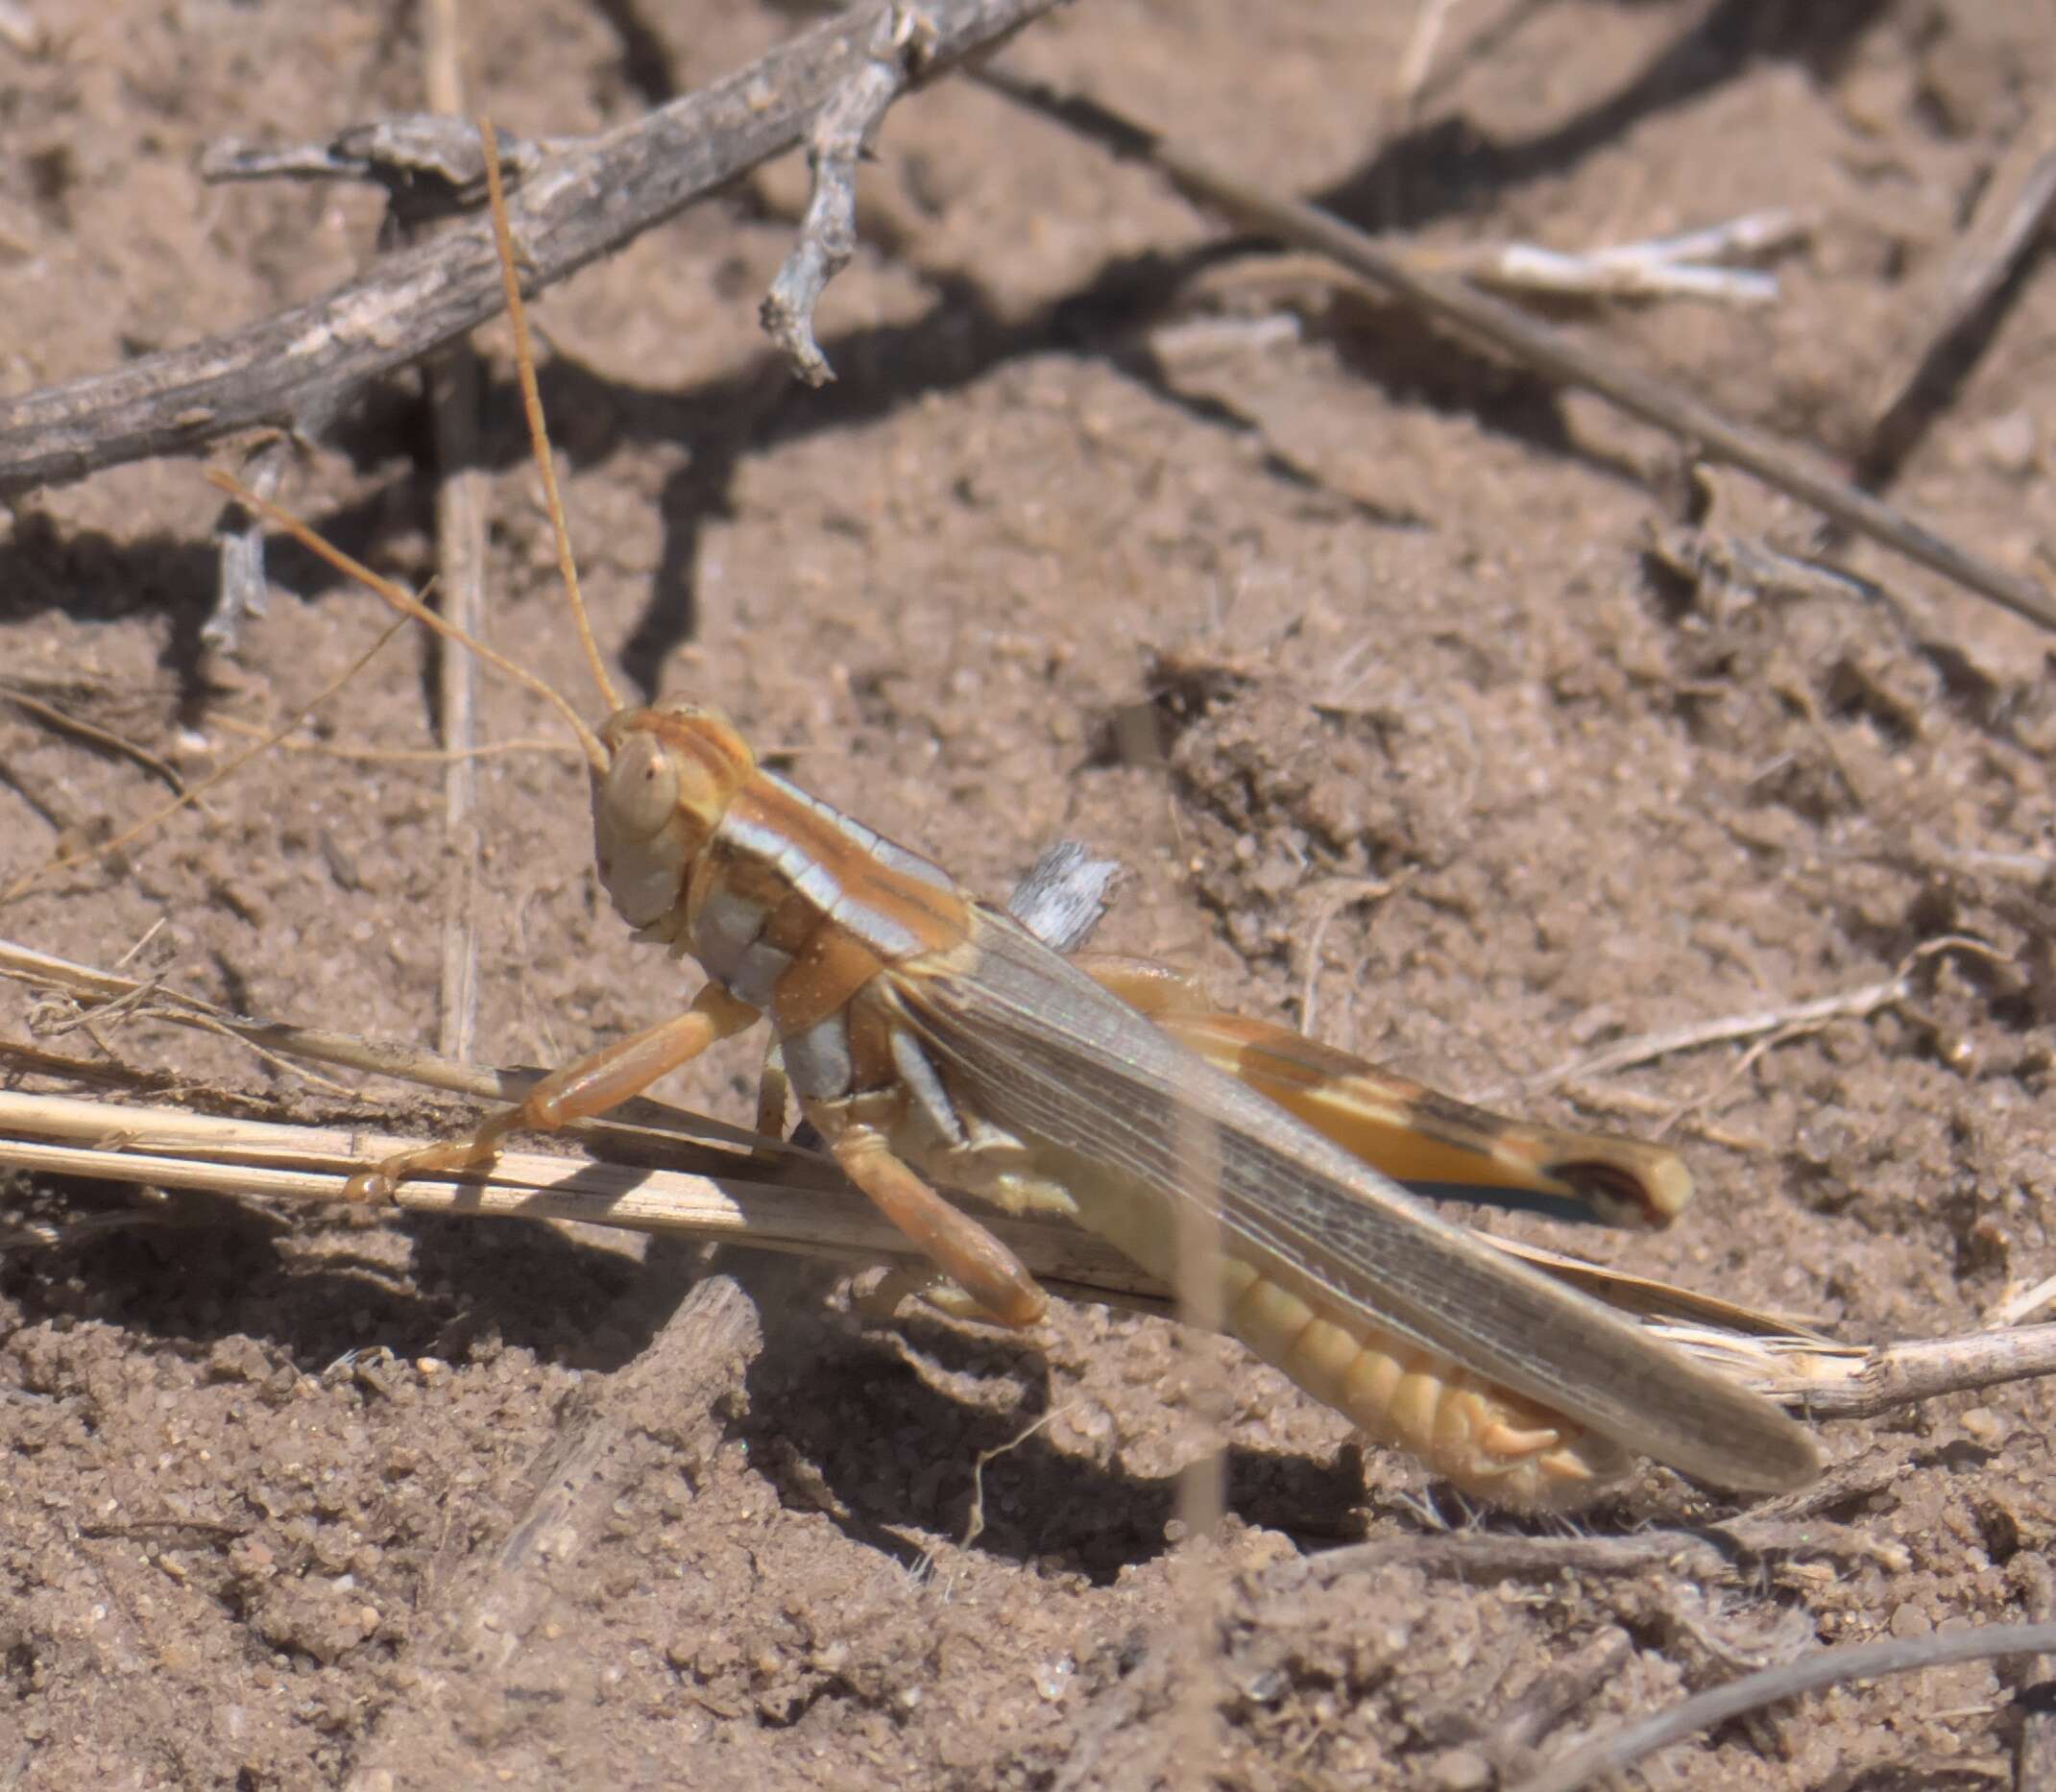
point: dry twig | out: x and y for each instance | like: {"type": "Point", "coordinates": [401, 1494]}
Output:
{"type": "Point", "coordinates": [1711, 434]}
{"type": "Point", "coordinates": [1684, 266]}
{"type": "Point", "coordinates": [1810, 1673]}
{"type": "Point", "coordinates": [1790, 1021]}
{"type": "Point", "coordinates": [2018, 1306]}
{"type": "Point", "coordinates": [1718, 1552]}
{"type": "Point", "coordinates": [240, 588]}
{"type": "Point", "coordinates": [296, 367]}
{"type": "Point", "coordinates": [1831, 1380]}
{"type": "Point", "coordinates": [2009, 219]}
{"type": "Point", "coordinates": [430, 164]}
{"type": "Point", "coordinates": [838, 139]}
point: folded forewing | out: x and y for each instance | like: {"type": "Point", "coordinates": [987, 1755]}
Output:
{"type": "Point", "coordinates": [1042, 1051]}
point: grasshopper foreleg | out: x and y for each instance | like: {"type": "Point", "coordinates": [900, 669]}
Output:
{"type": "Point", "coordinates": [603, 1079]}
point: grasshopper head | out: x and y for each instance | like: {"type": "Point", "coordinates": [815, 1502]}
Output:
{"type": "Point", "coordinates": [672, 771]}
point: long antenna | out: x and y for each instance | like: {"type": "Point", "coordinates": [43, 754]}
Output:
{"type": "Point", "coordinates": [22, 884]}
{"type": "Point", "coordinates": [524, 367]}
{"type": "Point", "coordinates": [407, 604]}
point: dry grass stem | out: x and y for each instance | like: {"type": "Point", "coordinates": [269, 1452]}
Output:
{"type": "Point", "coordinates": [119, 996]}
{"type": "Point", "coordinates": [58, 719]}
{"type": "Point", "coordinates": [1790, 1021]}
{"type": "Point", "coordinates": [172, 1148]}
{"type": "Point", "coordinates": [28, 880]}
{"type": "Point", "coordinates": [454, 389]}
{"type": "Point", "coordinates": [1810, 1673]}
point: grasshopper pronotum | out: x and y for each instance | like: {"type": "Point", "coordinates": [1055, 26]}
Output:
{"type": "Point", "coordinates": [929, 1036]}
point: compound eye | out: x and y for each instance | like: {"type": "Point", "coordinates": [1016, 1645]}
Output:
{"type": "Point", "coordinates": [642, 791]}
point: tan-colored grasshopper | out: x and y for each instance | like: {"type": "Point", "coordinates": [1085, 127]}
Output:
{"type": "Point", "coordinates": [931, 1039]}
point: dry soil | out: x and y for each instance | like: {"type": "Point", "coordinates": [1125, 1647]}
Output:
{"type": "Point", "coordinates": [1114, 531]}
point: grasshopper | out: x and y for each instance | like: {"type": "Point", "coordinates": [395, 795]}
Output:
{"type": "Point", "coordinates": [931, 1039]}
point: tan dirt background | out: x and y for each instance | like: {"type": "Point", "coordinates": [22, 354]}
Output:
{"type": "Point", "coordinates": [1388, 604]}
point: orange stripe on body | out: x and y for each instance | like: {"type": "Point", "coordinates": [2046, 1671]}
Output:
{"type": "Point", "coordinates": [884, 916]}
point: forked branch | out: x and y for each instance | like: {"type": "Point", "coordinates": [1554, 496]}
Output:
{"type": "Point", "coordinates": [289, 370]}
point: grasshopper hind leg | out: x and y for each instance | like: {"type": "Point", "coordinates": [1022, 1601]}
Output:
{"type": "Point", "coordinates": [1398, 1127]}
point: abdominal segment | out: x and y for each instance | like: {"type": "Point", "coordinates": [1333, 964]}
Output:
{"type": "Point", "coordinates": [1488, 1439]}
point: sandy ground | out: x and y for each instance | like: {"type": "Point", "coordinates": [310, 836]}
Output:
{"type": "Point", "coordinates": [1384, 605]}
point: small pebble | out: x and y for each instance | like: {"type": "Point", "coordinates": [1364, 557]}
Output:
{"type": "Point", "coordinates": [1461, 1770]}
{"type": "Point", "coordinates": [2009, 444]}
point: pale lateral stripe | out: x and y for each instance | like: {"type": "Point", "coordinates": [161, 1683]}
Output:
{"type": "Point", "coordinates": [762, 839]}
{"type": "Point", "coordinates": [889, 852]}
{"type": "Point", "coordinates": [816, 882]}
{"type": "Point", "coordinates": [846, 825]}
{"type": "Point", "coordinates": [887, 937]}
{"type": "Point", "coordinates": [793, 863]}
{"type": "Point", "coordinates": [755, 838]}
{"type": "Point", "coordinates": [877, 930]}
{"type": "Point", "coordinates": [896, 857]}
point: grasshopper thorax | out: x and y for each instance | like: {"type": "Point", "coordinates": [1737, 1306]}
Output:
{"type": "Point", "coordinates": [672, 773]}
